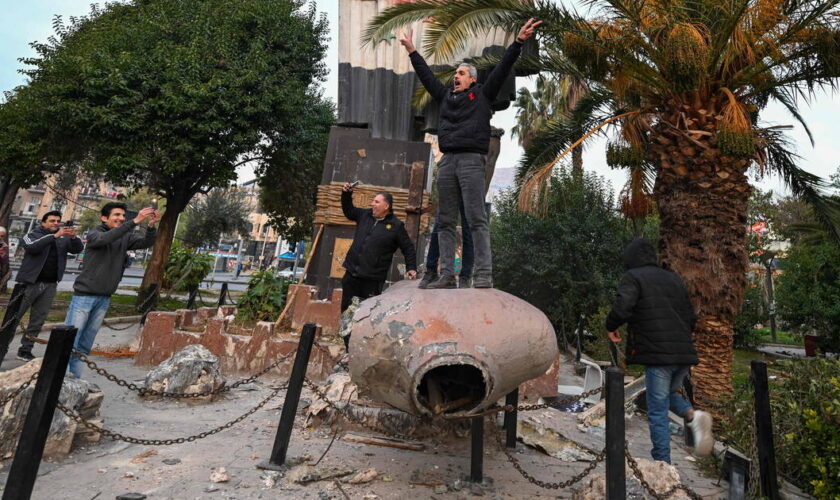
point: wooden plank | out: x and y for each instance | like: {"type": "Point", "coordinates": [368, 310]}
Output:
{"type": "Point", "coordinates": [381, 441]}
{"type": "Point", "coordinates": [340, 249]}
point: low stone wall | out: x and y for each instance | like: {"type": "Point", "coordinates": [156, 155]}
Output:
{"type": "Point", "coordinates": [305, 308]}
{"type": "Point", "coordinates": [166, 332]}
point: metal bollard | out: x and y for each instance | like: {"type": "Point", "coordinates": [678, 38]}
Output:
{"type": "Point", "coordinates": [615, 434]}
{"type": "Point", "coordinates": [223, 293]}
{"type": "Point", "coordinates": [477, 450]}
{"type": "Point", "coordinates": [764, 431]}
{"type": "Point", "coordinates": [39, 416]}
{"type": "Point", "coordinates": [193, 289]}
{"type": "Point", "coordinates": [510, 418]}
{"type": "Point", "coordinates": [290, 405]}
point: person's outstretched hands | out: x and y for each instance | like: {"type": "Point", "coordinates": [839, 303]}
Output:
{"type": "Point", "coordinates": [527, 31]}
{"type": "Point", "coordinates": [406, 40]}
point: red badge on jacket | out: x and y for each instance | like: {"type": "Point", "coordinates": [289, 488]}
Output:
{"type": "Point", "coordinates": [471, 96]}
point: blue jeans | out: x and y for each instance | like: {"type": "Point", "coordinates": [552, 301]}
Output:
{"type": "Point", "coordinates": [661, 385]}
{"type": "Point", "coordinates": [86, 313]}
{"type": "Point", "coordinates": [466, 250]}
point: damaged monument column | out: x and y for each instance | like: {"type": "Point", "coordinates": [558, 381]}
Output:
{"type": "Point", "coordinates": [452, 352]}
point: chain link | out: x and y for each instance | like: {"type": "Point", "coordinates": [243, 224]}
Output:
{"type": "Point", "coordinates": [531, 407]}
{"type": "Point", "coordinates": [600, 457]}
{"type": "Point", "coordinates": [346, 415]}
{"type": "Point", "coordinates": [143, 391]}
{"type": "Point", "coordinates": [19, 390]}
{"type": "Point", "coordinates": [165, 442]}
{"type": "Point", "coordinates": [634, 466]}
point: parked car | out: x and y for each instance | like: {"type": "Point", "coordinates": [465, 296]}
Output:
{"type": "Point", "coordinates": [287, 273]}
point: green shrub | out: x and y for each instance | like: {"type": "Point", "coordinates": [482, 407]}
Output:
{"type": "Point", "coordinates": [185, 268]}
{"type": "Point", "coordinates": [805, 405]}
{"type": "Point", "coordinates": [264, 298]}
{"type": "Point", "coordinates": [752, 312]}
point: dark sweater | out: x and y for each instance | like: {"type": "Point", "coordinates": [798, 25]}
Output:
{"type": "Point", "coordinates": [105, 255]}
{"type": "Point", "coordinates": [464, 124]}
{"type": "Point", "coordinates": [375, 242]}
{"type": "Point", "coordinates": [36, 247]}
{"type": "Point", "coordinates": [655, 305]}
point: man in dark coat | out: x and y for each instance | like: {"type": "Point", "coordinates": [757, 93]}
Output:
{"type": "Point", "coordinates": [464, 139]}
{"type": "Point", "coordinates": [379, 233]}
{"type": "Point", "coordinates": [660, 318]}
{"type": "Point", "coordinates": [44, 259]}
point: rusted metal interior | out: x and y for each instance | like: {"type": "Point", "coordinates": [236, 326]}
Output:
{"type": "Point", "coordinates": [451, 388]}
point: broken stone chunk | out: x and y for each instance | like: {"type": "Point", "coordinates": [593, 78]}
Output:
{"type": "Point", "coordinates": [306, 474]}
{"type": "Point", "coordinates": [219, 475]}
{"type": "Point", "coordinates": [364, 476]}
{"type": "Point", "coordinates": [191, 370]}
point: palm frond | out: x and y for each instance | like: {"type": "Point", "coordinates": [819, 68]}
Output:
{"type": "Point", "coordinates": [398, 16]}
{"type": "Point", "coordinates": [777, 157]}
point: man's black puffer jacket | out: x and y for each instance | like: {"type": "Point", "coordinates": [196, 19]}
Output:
{"type": "Point", "coordinates": [655, 305]}
{"type": "Point", "coordinates": [375, 242]}
{"type": "Point", "coordinates": [464, 125]}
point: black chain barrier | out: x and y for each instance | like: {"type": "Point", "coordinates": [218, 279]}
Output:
{"type": "Point", "coordinates": [143, 391]}
{"type": "Point", "coordinates": [116, 436]}
{"type": "Point", "coordinates": [19, 390]}
{"type": "Point", "coordinates": [600, 457]}
{"type": "Point", "coordinates": [634, 466]}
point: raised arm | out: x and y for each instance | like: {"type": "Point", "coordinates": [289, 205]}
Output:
{"type": "Point", "coordinates": [500, 72]}
{"type": "Point", "coordinates": [427, 77]}
{"type": "Point", "coordinates": [34, 244]}
{"type": "Point", "coordinates": [98, 239]}
{"type": "Point", "coordinates": [350, 210]}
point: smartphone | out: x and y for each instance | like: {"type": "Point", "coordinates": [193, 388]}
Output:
{"type": "Point", "coordinates": [69, 223]}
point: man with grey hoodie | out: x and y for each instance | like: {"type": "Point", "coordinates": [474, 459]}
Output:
{"type": "Point", "coordinates": [104, 263]}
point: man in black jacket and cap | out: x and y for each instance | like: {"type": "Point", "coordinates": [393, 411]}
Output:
{"type": "Point", "coordinates": [379, 233]}
{"type": "Point", "coordinates": [44, 258]}
{"type": "Point", "coordinates": [464, 139]}
{"type": "Point", "coordinates": [660, 319]}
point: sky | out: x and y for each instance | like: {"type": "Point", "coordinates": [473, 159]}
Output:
{"type": "Point", "coordinates": [30, 21]}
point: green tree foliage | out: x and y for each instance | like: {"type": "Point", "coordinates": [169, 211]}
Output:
{"type": "Point", "coordinates": [808, 293]}
{"type": "Point", "coordinates": [264, 298]}
{"type": "Point", "coordinates": [186, 268]}
{"type": "Point", "coordinates": [573, 253]}
{"type": "Point", "coordinates": [175, 95]}
{"type": "Point", "coordinates": [222, 211]}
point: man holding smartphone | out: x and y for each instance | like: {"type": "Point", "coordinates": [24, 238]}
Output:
{"type": "Point", "coordinates": [44, 258]}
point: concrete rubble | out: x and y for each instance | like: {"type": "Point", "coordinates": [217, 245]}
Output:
{"type": "Point", "coordinates": [534, 431]}
{"type": "Point", "coordinates": [659, 475]}
{"type": "Point", "coordinates": [82, 396]}
{"type": "Point", "coordinates": [191, 370]}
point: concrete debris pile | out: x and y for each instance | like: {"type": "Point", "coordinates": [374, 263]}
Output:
{"type": "Point", "coordinates": [80, 395]}
{"type": "Point", "coordinates": [191, 370]}
{"type": "Point", "coordinates": [659, 475]}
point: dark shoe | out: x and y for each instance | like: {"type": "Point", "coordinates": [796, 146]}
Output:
{"type": "Point", "coordinates": [445, 281]}
{"type": "Point", "coordinates": [428, 277]}
{"type": "Point", "coordinates": [25, 356]}
{"type": "Point", "coordinates": [483, 281]}
{"type": "Point", "coordinates": [464, 282]}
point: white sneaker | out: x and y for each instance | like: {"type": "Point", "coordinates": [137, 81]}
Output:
{"type": "Point", "coordinates": [701, 429]}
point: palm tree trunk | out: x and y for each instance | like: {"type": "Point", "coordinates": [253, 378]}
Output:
{"type": "Point", "coordinates": [702, 200]}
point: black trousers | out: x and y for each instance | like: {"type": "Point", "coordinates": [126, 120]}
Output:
{"type": "Point", "coordinates": [10, 319]}
{"type": "Point", "coordinates": [352, 286]}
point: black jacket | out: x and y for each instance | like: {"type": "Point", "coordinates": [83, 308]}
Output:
{"type": "Point", "coordinates": [655, 305]}
{"type": "Point", "coordinates": [375, 242]}
{"type": "Point", "coordinates": [36, 248]}
{"type": "Point", "coordinates": [105, 256]}
{"type": "Point", "coordinates": [464, 124]}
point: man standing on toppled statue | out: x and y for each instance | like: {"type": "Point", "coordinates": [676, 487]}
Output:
{"type": "Point", "coordinates": [464, 139]}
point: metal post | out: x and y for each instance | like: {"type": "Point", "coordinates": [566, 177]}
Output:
{"type": "Point", "coordinates": [477, 453]}
{"type": "Point", "coordinates": [150, 302]}
{"type": "Point", "coordinates": [222, 294]}
{"type": "Point", "coordinates": [615, 434]}
{"type": "Point", "coordinates": [510, 418]}
{"type": "Point", "coordinates": [290, 405]}
{"type": "Point", "coordinates": [764, 431]}
{"type": "Point", "coordinates": [193, 289]}
{"type": "Point", "coordinates": [39, 416]}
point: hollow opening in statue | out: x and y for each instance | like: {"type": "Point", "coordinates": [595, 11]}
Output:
{"type": "Point", "coordinates": [451, 388]}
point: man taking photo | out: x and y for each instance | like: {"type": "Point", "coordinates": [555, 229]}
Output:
{"type": "Point", "coordinates": [44, 258]}
{"type": "Point", "coordinates": [105, 257]}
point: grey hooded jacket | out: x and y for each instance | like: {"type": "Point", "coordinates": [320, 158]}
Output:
{"type": "Point", "coordinates": [36, 247]}
{"type": "Point", "coordinates": [105, 255]}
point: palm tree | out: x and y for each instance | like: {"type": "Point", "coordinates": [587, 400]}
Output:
{"type": "Point", "coordinates": [680, 85]}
